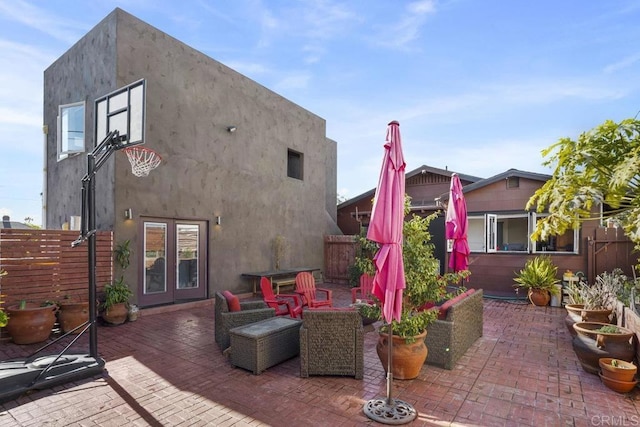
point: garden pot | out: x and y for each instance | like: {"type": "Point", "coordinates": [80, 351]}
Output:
{"type": "Point", "coordinates": [72, 315]}
{"type": "Point", "coordinates": [407, 359]}
{"type": "Point", "coordinates": [577, 313]}
{"type": "Point", "coordinates": [32, 324]}
{"type": "Point", "coordinates": [116, 314]}
{"type": "Point", "coordinates": [591, 345]}
{"type": "Point", "coordinates": [539, 297]}
{"type": "Point", "coordinates": [624, 371]}
{"type": "Point", "coordinates": [619, 386]}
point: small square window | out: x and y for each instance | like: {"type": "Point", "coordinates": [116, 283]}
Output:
{"type": "Point", "coordinates": [294, 164]}
{"type": "Point", "coordinates": [513, 182]}
{"type": "Point", "coordinates": [70, 129]}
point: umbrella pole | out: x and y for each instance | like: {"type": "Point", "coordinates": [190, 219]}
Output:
{"type": "Point", "coordinates": [389, 410]}
{"type": "Point", "coordinates": [389, 370]}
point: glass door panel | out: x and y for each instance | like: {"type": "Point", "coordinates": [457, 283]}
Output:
{"type": "Point", "coordinates": [187, 236]}
{"type": "Point", "coordinates": [155, 255]}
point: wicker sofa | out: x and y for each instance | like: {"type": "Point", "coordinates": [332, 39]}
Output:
{"type": "Point", "coordinates": [331, 343]}
{"type": "Point", "coordinates": [250, 312]}
{"type": "Point", "coordinates": [459, 326]}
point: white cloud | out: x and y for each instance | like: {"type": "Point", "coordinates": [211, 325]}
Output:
{"type": "Point", "coordinates": [293, 81]}
{"type": "Point", "coordinates": [622, 64]}
{"type": "Point", "coordinates": [401, 32]}
{"type": "Point", "coordinates": [42, 20]}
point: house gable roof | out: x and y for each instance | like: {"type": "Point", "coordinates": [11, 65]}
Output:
{"type": "Point", "coordinates": [511, 173]}
{"type": "Point", "coordinates": [420, 170]}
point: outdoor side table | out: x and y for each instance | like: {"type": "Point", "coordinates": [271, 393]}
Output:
{"type": "Point", "coordinates": [261, 345]}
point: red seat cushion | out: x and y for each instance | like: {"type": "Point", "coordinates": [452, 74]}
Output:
{"type": "Point", "coordinates": [232, 301]}
{"type": "Point", "coordinates": [442, 315]}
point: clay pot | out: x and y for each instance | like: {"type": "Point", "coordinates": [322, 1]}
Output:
{"type": "Point", "coordinates": [624, 371]}
{"type": "Point", "coordinates": [116, 314]}
{"type": "Point", "coordinates": [32, 324]}
{"type": "Point", "coordinates": [577, 313]}
{"type": "Point", "coordinates": [539, 297]}
{"type": "Point", "coordinates": [72, 315]}
{"type": "Point", "coordinates": [591, 345]}
{"type": "Point", "coordinates": [619, 386]}
{"type": "Point", "coordinates": [407, 359]}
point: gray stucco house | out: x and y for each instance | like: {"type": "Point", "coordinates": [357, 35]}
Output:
{"type": "Point", "coordinates": [221, 196]}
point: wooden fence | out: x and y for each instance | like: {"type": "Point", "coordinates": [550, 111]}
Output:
{"type": "Point", "coordinates": [42, 265]}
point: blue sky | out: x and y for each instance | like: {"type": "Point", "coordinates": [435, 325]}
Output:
{"type": "Point", "coordinates": [478, 86]}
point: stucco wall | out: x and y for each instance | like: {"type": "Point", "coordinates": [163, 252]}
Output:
{"type": "Point", "coordinates": [85, 72]}
{"type": "Point", "coordinates": [207, 171]}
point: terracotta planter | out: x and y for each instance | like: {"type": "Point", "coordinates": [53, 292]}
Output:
{"type": "Point", "coordinates": [116, 314]}
{"type": "Point", "coordinates": [72, 315]}
{"type": "Point", "coordinates": [539, 297]}
{"type": "Point", "coordinates": [32, 324]}
{"type": "Point", "coordinates": [624, 371]}
{"type": "Point", "coordinates": [618, 386]}
{"type": "Point", "coordinates": [406, 359]}
{"type": "Point", "coordinates": [590, 345]}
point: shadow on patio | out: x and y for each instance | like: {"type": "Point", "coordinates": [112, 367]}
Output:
{"type": "Point", "coordinates": [165, 369]}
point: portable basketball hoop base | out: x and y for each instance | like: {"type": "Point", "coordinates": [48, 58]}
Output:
{"type": "Point", "coordinates": [38, 372]}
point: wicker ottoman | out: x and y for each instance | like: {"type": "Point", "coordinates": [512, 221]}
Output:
{"type": "Point", "coordinates": [264, 344]}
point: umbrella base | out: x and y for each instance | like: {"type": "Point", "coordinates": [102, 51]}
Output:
{"type": "Point", "coordinates": [390, 411]}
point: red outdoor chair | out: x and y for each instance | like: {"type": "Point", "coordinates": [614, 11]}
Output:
{"type": "Point", "coordinates": [306, 286]}
{"type": "Point", "coordinates": [365, 289]}
{"type": "Point", "coordinates": [284, 304]}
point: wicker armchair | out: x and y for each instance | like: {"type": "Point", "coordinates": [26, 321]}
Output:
{"type": "Point", "coordinates": [449, 339]}
{"type": "Point", "coordinates": [331, 343]}
{"type": "Point", "coordinates": [250, 312]}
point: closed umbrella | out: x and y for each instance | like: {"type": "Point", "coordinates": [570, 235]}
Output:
{"type": "Point", "coordinates": [385, 227]}
{"type": "Point", "coordinates": [456, 226]}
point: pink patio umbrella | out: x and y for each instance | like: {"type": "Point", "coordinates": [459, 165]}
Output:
{"type": "Point", "coordinates": [456, 226]}
{"type": "Point", "coordinates": [385, 227]}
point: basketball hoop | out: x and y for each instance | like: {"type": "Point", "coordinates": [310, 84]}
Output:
{"type": "Point", "coordinates": [143, 160]}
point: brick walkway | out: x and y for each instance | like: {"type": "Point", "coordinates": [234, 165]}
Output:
{"type": "Point", "coordinates": [165, 369]}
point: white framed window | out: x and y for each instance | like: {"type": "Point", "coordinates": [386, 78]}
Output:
{"type": "Point", "coordinates": [511, 232]}
{"type": "Point", "coordinates": [567, 242]}
{"type": "Point", "coordinates": [71, 129]}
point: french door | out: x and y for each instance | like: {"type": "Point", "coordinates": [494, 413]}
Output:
{"type": "Point", "coordinates": [173, 256]}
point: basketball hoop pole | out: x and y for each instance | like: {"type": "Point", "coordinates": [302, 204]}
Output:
{"type": "Point", "coordinates": [100, 154]}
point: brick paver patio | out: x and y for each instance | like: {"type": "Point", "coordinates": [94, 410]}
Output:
{"type": "Point", "coordinates": [165, 369]}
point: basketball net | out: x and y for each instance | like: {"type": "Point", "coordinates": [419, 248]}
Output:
{"type": "Point", "coordinates": [143, 160]}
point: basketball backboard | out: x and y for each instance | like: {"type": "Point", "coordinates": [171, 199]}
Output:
{"type": "Point", "coordinates": [122, 110]}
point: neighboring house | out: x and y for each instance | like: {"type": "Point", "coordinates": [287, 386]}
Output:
{"type": "Point", "coordinates": [499, 228]}
{"type": "Point", "coordinates": [7, 223]}
{"type": "Point", "coordinates": [424, 185]}
{"type": "Point", "coordinates": [241, 164]}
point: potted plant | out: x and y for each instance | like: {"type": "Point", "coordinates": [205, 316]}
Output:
{"type": "Point", "coordinates": [115, 307]}
{"type": "Point", "coordinates": [424, 284]}
{"type": "Point", "coordinates": [539, 278]}
{"type": "Point", "coordinates": [72, 314]}
{"type": "Point", "coordinates": [593, 303]}
{"type": "Point", "coordinates": [31, 323]}
{"type": "Point", "coordinates": [596, 340]}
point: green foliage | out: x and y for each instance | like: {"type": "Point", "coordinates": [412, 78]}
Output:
{"type": "Point", "coordinates": [122, 254]}
{"type": "Point", "coordinates": [603, 294]}
{"type": "Point", "coordinates": [116, 293]}
{"type": "Point", "coordinates": [538, 273]}
{"type": "Point", "coordinates": [365, 251]}
{"type": "Point", "coordinates": [424, 283]}
{"type": "Point", "coordinates": [601, 166]}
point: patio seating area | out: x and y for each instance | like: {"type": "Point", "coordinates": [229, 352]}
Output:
{"type": "Point", "coordinates": [166, 369]}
